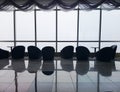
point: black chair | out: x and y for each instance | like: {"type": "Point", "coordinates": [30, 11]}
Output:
{"type": "Point", "coordinates": [4, 54]}
{"type": "Point", "coordinates": [48, 53]}
{"type": "Point", "coordinates": [82, 53]}
{"type": "Point", "coordinates": [34, 52]}
{"type": "Point", "coordinates": [18, 52]}
{"type": "Point", "coordinates": [67, 52]}
{"type": "Point", "coordinates": [104, 54]}
{"type": "Point", "coordinates": [114, 47]}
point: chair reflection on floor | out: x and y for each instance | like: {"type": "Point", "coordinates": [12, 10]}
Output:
{"type": "Point", "coordinates": [82, 67]}
{"type": "Point", "coordinates": [48, 67]}
{"type": "Point", "coordinates": [3, 63]}
{"type": "Point", "coordinates": [33, 67]}
{"type": "Point", "coordinates": [18, 66]}
{"type": "Point", "coordinates": [105, 68]}
{"type": "Point", "coordinates": [67, 64]}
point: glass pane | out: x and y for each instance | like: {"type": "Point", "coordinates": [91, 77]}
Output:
{"type": "Point", "coordinates": [67, 25]}
{"type": "Point", "coordinates": [89, 25]}
{"type": "Point", "coordinates": [110, 25]}
{"type": "Point", "coordinates": [25, 25]}
{"type": "Point", "coordinates": [6, 45]}
{"type": "Point", "coordinates": [6, 26]}
{"type": "Point", "coordinates": [46, 25]}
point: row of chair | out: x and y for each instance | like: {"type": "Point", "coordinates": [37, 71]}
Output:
{"type": "Point", "coordinates": [48, 52]}
{"type": "Point", "coordinates": [34, 52]}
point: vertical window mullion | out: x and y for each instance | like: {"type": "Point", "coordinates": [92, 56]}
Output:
{"type": "Point", "coordinates": [56, 29]}
{"type": "Point", "coordinates": [78, 13]}
{"type": "Point", "coordinates": [35, 26]}
{"type": "Point", "coordinates": [100, 25]}
{"type": "Point", "coordinates": [14, 19]}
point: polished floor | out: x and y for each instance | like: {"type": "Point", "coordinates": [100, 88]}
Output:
{"type": "Point", "coordinates": [59, 76]}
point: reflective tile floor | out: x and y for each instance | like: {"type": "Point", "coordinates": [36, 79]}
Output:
{"type": "Point", "coordinates": [59, 76]}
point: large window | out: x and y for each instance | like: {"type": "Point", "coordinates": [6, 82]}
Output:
{"type": "Point", "coordinates": [59, 28]}
{"type": "Point", "coordinates": [6, 29]}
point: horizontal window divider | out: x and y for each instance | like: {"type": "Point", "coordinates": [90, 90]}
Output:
{"type": "Point", "coordinates": [56, 41]}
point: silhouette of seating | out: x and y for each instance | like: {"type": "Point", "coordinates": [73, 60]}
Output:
{"type": "Point", "coordinates": [18, 52]}
{"type": "Point", "coordinates": [4, 54]}
{"type": "Point", "coordinates": [104, 54]}
{"type": "Point", "coordinates": [114, 47]}
{"type": "Point", "coordinates": [67, 52]}
{"type": "Point", "coordinates": [82, 53]}
{"type": "Point", "coordinates": [48, 53]}
{"type": "Point", "coordinates": [34, 52]}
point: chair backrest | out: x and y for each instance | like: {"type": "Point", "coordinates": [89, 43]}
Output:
{"type": "Point", "coordinates": [67, 52]}
{"type": "Point", "coordinates": [4, 54]}
{"type": "Point", "coordinates": [34, 52]}
{"type": "Point", "coordinates": [48, 53]}
{"type": "Point", "coordinates": [114, 47]}
{"type": "Point", "coordinates": [82, 53]}
{"type": "Point", "coordinates": [104, 54]}
{"type": "Point", "coordinates": [18, 52]}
